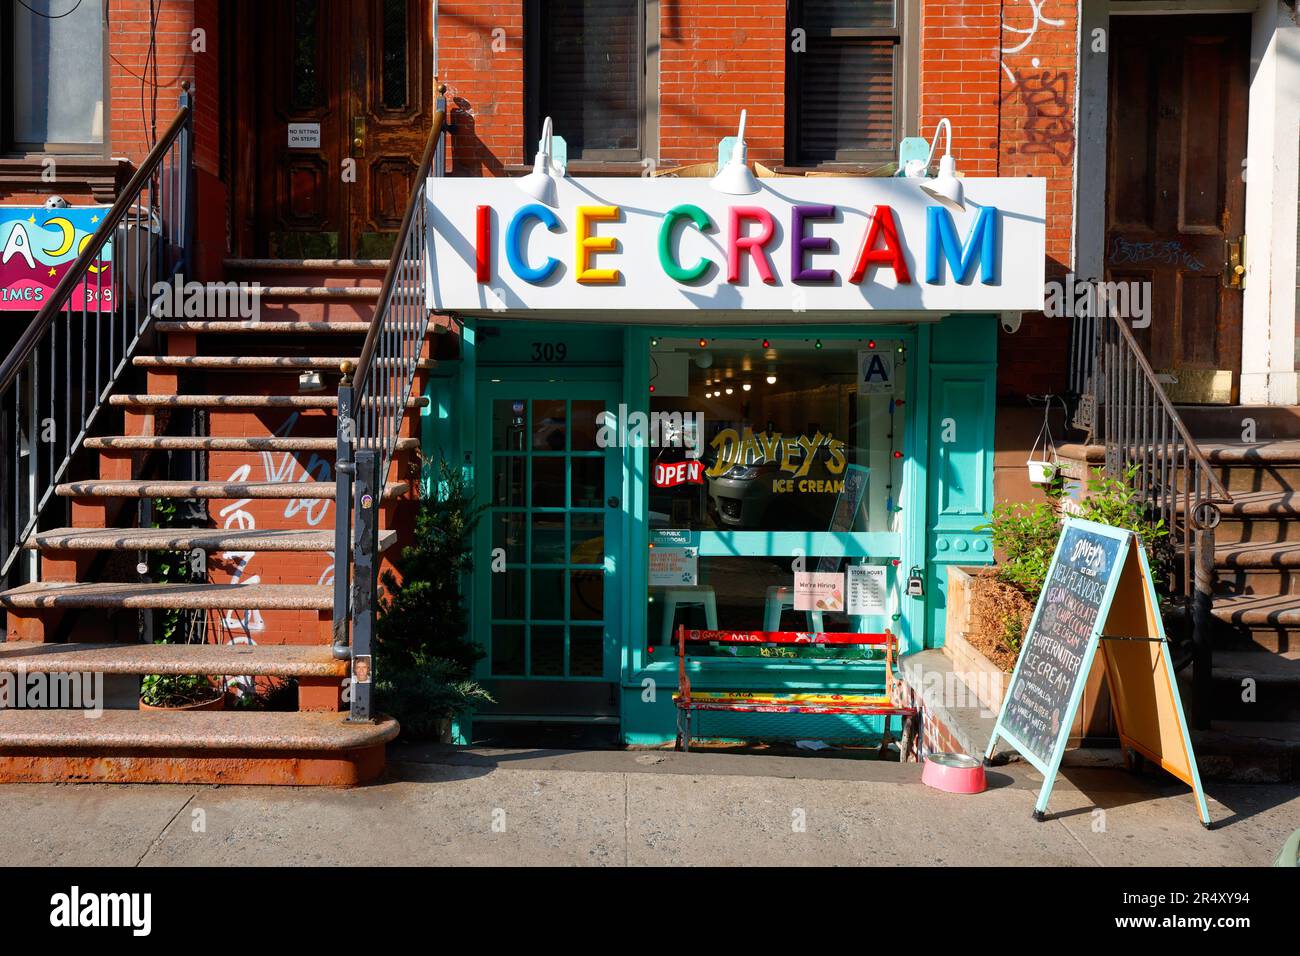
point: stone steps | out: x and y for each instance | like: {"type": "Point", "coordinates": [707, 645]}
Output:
{"type": "Point", "coordinates": [188, 539]}
{"type": "Point", "coordinates": [265, 327]}
{"type": "Point", "coordinates": [52, 595]}
{"type": "Point", "coordinates": [231, 747]}
{"type": "Point", "coordinates": [137, 443]}
{"type": "Point", "coordinates": [1256, 686]}
{"type": "Point", "coordinates": [290, 402]}
{"type": "Point", "coordinates": [281, 630]}
{"type": "Point", "coordinates": [210, 489]}
{"type": "Point", "coordinates": [1257, 590]}
{"type": "Point", "coordinates": [1248, 751]}
{"type": "Point", "coordinates": [327, 267]}
{"type": "Point", "coordinates": [274, 363]}
{"type": "Point", "coordinates": [262, 660]}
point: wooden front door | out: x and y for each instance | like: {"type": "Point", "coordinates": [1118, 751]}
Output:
{"type": "Point", "coordinates": [341, 95]}
{"type": "Point", "coordinates": [1176, 191]}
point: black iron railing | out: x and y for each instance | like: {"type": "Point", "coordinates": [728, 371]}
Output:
{"type": "Point", "coordinates": [372, 403]}
{"type": "Point", "coordinates": [1122, 404]}
{"type": "Point", "coordinates": [57, 378]}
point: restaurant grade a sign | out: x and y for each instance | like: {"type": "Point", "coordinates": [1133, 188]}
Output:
{"type": "Point", "coordinates": [38, 245]}
{"type": "Point", "coordinates": [622, 246]}
{"type": "Point", "coordinates": [1098, 608]}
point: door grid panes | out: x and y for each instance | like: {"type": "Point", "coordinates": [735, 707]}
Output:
{"type": "Point", "coordinates": [546, 511]}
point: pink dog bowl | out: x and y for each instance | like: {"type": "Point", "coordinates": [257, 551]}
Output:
{"type": "Point", "coordinates": [953, 773]}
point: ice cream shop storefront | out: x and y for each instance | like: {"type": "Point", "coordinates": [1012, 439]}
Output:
{"type": "Point", "coordinates": [771, 411]}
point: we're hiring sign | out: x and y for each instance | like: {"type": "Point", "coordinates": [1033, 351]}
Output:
{"type": "Point", "coordinates": [802, 244]}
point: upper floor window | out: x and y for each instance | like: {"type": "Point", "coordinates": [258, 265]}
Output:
{"type": "Point", "coordinates": [852, 84]}
{"type": "Point", "coordinates": [52, 70]}
{"type": "Point", "coordinates": [591, 69]}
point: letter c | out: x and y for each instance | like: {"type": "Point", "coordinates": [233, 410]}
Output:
{"type": "Point", "coordinates": [666, 258]}
{"type": "Point", "coordinates": [514, 253]}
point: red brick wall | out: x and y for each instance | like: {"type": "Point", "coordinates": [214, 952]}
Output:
{"type": "Point", "coordinates": [141, 107]}
{"type": "Point", "coordinates": [960, 79]}
{"type": "Point", "coordinates": [134, 98]}
{"type": "Point", "coordinates": [717, 58]}
{"type": "Point", "coordinates": [481, 59]}
{"type": "Point", "coordinates": [1036, 130]}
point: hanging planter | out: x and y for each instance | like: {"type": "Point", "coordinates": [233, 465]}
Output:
{"type": "Point", "coordinates": [1043, 463]}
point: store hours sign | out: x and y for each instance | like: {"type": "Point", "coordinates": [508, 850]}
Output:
{"type": "Point", "coordinates": [621, 245]}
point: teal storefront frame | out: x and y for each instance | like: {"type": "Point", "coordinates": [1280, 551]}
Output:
{"type": "Point", "coordinates": [948, 463]}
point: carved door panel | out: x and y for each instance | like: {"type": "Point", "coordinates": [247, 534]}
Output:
{"type": "Point", "coordinates": [1176, 190]}
{"type": "Point", "coordinates": [392, 106]}
{"type": "Point", "coordinates": [300, 94]}
{"type": "Point", "coordinates": [342, 95]}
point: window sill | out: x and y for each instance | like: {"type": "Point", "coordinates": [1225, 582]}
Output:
{"type": "Point", "coordinates": [103, 178]}
{"type": "Point", "coordinates": [881, 170]}
{"type": "Point", "coordinates": [580, 168]}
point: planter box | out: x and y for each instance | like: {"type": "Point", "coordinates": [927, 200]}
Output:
{"type": "Point", "coordinates": [981, 675]}
{"type": "Point", "coordinates": [989, 682]}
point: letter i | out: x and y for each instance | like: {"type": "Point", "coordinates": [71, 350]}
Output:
{"type": "Point", "coordinates": [483, 244]}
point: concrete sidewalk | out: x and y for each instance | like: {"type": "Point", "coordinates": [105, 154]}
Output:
{"type": "Point", "coordinates": [450, 806]}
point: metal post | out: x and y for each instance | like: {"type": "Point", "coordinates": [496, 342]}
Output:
{"type": "Point", "coordinates": [187, 175]}
{"type": "Point", "coordinates": [346, 429]}
{"type": "Point", "coordinates": [364, 579]}
{"type": "Point", "coordinates": [33, 463]}
{"type": "Point", "coordinates": [1202, 627]}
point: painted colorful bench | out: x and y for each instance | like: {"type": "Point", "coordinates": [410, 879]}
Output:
{"type": "Point", "coordinates": [689, 701]}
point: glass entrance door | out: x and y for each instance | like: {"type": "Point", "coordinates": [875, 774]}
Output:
{"type": "Point", "coordinates": [546, 601]}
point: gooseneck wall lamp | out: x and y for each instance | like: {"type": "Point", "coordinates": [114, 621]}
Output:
{"type": "Point", "coordinates": [735, 178]}
{"type": "Point", "coordinates": [946, 188]}
{"type": "Point", "coordinates": [540, 183]}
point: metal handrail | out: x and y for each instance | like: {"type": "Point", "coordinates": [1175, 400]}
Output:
{"type": "Point", "coordinates": [1129, 414]}
{"type": "Point", "coordinates": [1132, 417]}
{"type": "Point", "coordinates": [372, 402]}
{"type": "Point", "coordinates": [151, 226]}
{"type": "Point", "coordinates": [382, 420]}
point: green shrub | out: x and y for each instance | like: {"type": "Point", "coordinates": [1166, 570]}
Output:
{"type": "Point", "coordinates": [424, 660]}
{"type": "Point", "coordinates": [1116, 502]}
{"type": "Point", "coordinates": [422, 615]}
{"type": "Point", "coordinates": [1026, 533]}
{"type": "Point", "coordinates": [1026, 536]}
{"type": "Point", "coordinates": [1013, 632]}
{"type": "Point", "coordinates": [172, 567]}
{"type": "Point", "coordinates": [421, 694]}
{"type": "Point", "coordinates": [177, 690]}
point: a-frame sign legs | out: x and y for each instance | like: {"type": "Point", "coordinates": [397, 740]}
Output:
{"type": "Point", "coordinates": [1144, 692]}
{"type": "Point", "coordinates": [1099, 597]}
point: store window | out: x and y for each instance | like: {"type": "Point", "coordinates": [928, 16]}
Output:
{"type": "Point", "coordinates": [53, 56]}
{"type": "Point", "coordinates": [593, 71]}
{"type": "Point", "coordinates": [775, 459]}
{"type": "Point", "coordinates": [851, 83]}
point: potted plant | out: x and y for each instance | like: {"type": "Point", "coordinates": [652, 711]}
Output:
{"type": "Point", "coordinates": [175, 691]}
{"type": "Point", "coordinates": [181, 692]}
{"type": "Point", "coordinates": [424, 661]}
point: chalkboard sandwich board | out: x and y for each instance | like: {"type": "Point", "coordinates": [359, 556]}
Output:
{"type": "Point", "coordinates": [1098, 608]}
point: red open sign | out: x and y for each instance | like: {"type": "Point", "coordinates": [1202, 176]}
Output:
{"type": "Point", "coordinates": [672, 474]}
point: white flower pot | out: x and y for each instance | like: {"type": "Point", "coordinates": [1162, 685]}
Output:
{"type": "Point", "coordinates": [1041, 472]}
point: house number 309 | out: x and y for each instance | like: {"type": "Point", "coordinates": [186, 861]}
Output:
{"type": "Point", "coordinates": [550, 351]}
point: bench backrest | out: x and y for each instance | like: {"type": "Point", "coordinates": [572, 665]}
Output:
{"type": "Point", "coordinates": [688, 636]}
